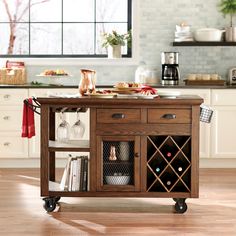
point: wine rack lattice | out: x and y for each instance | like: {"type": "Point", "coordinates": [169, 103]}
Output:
{"type": "Point", "coordinates": [168, 163]}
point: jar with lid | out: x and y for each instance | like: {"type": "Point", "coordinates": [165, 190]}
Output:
{"type": "Point", "coordinates": [147, 74]}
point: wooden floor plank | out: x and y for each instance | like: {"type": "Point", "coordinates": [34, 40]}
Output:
{"type": "Point", "coordinates": [22, 214]}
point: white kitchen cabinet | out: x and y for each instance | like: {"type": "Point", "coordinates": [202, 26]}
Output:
{"type": "Point", "coordinates": [12, 97]}
{"type": "Point", "coordinates": [223, 128]}
{"type": "Point", "coordinates": [34, 143]}
{"type": "Point", "coordinates": [204, 128]}
{"type": "Point", "coordinates": [12, 145]}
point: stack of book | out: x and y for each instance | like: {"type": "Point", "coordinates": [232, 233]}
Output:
{"type": "Point", "coordinates": [75, 176]}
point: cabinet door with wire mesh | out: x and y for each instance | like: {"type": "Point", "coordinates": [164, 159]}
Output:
{"type": "Point", "coordinates": [118, 163]}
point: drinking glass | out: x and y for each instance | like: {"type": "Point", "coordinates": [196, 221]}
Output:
{"type": "Point", "coordinates": [63, 130]}
{"type": "Point", "coordinates": [78, 129]}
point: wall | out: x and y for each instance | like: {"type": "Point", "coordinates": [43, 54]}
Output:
{"type": "Point", "coordinates": [157, 20]}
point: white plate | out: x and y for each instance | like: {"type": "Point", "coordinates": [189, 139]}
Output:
{"type": "Point", "coordinates": [136, 95]}
{"type": "Point", "coordinates": [54, 76]}
{"type": "Point", "coordinates": [98, 95]}
{"type": "Point", "coordinates": [168, 93]}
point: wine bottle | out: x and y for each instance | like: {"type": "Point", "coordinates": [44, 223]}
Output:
{"type": "Point", "coordinates": [169, 154]}
{"type": "Point", "coordinates": [168, 182]}
{"type": "Point", "coordinates": [180, 169]}
{"type": "Point", "coordinates": [158, 170]}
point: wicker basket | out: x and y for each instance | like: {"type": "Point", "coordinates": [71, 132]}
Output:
{"type": "Point", "coordinates": [13, 76]}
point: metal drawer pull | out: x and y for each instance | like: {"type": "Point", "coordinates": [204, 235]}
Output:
{"type": "Point", "coordinates": [169, 116]}
{"type": "Point", "coordinates": [118, 116]}
{"type": "Point", "coordinates": [6, 117]}
{"type": "Point", "coordinates": [6, 144]}
{"type": "Point", "coordinates": [7, 96]}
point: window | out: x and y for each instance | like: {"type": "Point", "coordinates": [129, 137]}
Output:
{"type": "Point", "coordinates": [60, 28]}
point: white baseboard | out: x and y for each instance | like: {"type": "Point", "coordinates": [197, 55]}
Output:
{"type": "Point", "coordinates": [217, 162]}
{"type": "Point", "coordinates": [61, 162]}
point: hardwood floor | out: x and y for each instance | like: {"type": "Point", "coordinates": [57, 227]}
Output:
{"type": "Point", "coordinates": [21, 211]}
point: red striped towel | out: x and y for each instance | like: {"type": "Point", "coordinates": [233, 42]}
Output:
{"type": "Point", "coordinates": [28, 126]}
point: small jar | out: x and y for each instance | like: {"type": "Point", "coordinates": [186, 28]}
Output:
{"type": "Point", "coordinates": [147, 74]}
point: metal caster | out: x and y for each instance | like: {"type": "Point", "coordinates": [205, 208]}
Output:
{"type": "Point", "coordinates": [57, 199]}
{"type": "Point", "coordinates": [49, 204]}
{"type": "Point", "coordinates": [180, 205]}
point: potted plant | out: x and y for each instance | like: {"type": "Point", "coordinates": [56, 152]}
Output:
{"type": "Point", "coordinates": [113, 42]}
{"type": "Point", "coordinates": [228, 7]}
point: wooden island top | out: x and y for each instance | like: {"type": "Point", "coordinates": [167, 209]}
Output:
{"type": "Point", "coordinates": [124, 102]}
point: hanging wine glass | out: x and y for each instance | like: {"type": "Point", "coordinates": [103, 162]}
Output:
{"type": "Point", "coordinates": [78, 128]}
{"type": "Point", "coordinates": [63, 129]}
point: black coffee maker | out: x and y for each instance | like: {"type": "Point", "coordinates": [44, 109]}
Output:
{"type": "Point", "coordinates": [170, 68]}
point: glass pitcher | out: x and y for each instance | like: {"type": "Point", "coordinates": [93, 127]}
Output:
{"type": "Point", "coordinates": [87, 81]}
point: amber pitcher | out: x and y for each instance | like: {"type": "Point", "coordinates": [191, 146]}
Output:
{"type": "Point", "coordinates": [87, 81]}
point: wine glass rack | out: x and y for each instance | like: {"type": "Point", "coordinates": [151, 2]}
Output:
{"type": "Point", "coordinates": [168, 164]}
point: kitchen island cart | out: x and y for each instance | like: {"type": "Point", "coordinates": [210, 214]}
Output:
{"type": "Point", "coordinates": [137, 148]}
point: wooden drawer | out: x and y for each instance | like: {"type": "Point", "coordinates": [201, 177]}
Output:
{"type": "Point", "coordinates": [12, 145]}
{"type": "Point", "coordinates": [169, 116]}
{"type": "Point", "coordinates": [13, 97]}
{"type": "Point", "coordinates": [120, 116]}
{"type": "Point", "coordinates": [10, 118]}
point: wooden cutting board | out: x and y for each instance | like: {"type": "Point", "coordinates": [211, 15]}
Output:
{"type": "Point", "coordinates": [205, 82]}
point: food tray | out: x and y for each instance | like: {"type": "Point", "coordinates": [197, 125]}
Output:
{"type": "Point", "coordinates": [205, 82]}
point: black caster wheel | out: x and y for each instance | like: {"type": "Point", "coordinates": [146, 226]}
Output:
{"type": "Point", "coordinates": [49, 204]}
{"type": "Point", "coordinates": [57, 199]}
{"type": "Point", "coordinates": [180, 206]}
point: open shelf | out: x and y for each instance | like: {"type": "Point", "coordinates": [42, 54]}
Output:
{"type": "Point", "coordinates": [72, 146]}
{"type": "Point", "coordinates": [206, 44]}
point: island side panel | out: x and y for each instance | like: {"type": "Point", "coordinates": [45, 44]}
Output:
{"type": "Point", "coordinates": [195, 152]}
{"type": "Point", "coordinates": [44, 158]}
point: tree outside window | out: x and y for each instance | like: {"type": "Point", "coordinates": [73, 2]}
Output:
{"type": "Point", "coordinates": [60, 28]}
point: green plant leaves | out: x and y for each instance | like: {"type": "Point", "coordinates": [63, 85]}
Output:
{"type": "Point", "coordinates": [111, 39]}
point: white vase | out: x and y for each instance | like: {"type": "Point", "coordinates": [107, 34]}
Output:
{"type": "Point", "coordinates": [124, 151]}
{"type": "Point", "coordinates": [114, 51]}
{"type": "Point", "coordinates": [230, 34]}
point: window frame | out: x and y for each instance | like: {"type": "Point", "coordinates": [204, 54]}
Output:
{"type": "Point", "coordinates": [129, 54]}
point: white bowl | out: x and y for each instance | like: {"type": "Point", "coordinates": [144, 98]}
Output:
{"type": "Point", "coordinates": [117, 180]}
{"type": "Point", "coordinates": [208, 35]}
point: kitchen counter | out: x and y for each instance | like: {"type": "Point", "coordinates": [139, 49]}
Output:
{"type": "Point", "coordinates": [180, 86]}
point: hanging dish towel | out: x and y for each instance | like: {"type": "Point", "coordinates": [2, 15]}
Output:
{"type": "Point", "coordinates": [28, 126]}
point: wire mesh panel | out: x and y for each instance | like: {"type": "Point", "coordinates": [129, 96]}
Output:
{"type": "Point", "coordinates": [118, 163]}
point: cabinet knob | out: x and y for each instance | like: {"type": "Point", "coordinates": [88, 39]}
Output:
{"type": "Point", "coordinates": [6, 144]}
{"type": "Point", "coordinates": [118, 116]}
{"type": "Point", "coordinates": [169, 116]}
{"type": "Point", "coordinates": [6, 96]}
{"type": "Point", "coordinates": [6, 117]}
{"type": "Point", "coordinates": [137, 155]}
